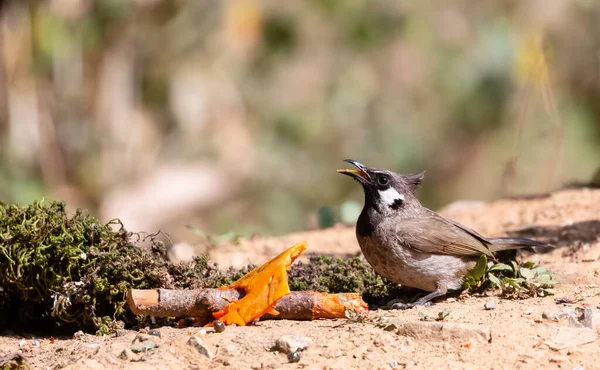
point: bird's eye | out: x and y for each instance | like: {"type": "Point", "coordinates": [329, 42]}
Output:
{"type": "Point", "coordinates": [383, 180]}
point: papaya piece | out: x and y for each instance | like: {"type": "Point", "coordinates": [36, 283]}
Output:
{"type": "Point", "coordinates": [263, 287]}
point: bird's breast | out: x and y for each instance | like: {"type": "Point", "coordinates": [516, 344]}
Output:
{"type": "Point", "coordinates": [403, 265]}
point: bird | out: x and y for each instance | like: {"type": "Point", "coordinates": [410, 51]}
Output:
{"type": "Point", "coordinates": [412, 245]}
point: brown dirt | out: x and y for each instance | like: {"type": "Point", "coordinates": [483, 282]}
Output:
{"type": "Point", "coordinates": [569, 218]}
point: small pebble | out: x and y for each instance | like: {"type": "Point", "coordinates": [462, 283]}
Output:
{"type": "Point", "coordinates": [35, 343]}
{"type": "Point", "coordinates": [394, 363]}
{"type": "Point", "coordinates": [137, 348]}
{"type": "Point", "coordinates": [556, 314]}
{"type": "Point", "coordinates": [293, 357]}
{"type": "Point", "coordinates": [528, 311]}
{"type": "Point", "coordinates": [142, 338]}
{"type": "Point", "coordinates": [143, 347]}
{"type": "Point", "coordinates": [126, 354]}
{"type": "Point", "coordinates": [219, 326]}
{"type": "Point", "coordinates": [563, 300]}
{"type": "Point", "coordinates": [155, 332]}
{"type": "Point", "coordinates": [144, 330]}
{"type": "Point", "coordinates": [490, 305]}
{"type": "Point", "coordinates": [22, 342]}
{"type": "Point", "coordinates": [78, 335]}
{"type": "Point", "coordinates": [292, 343]}
{"type": "Point", "coordinates": [574, 322]}
{"type": "Point", "coordinates": [121, 333]}
{"type": "Point", "coordinates": [198, 344]}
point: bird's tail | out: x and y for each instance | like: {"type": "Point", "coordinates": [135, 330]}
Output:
{"type": "Point", "coordinates": [501, 244]}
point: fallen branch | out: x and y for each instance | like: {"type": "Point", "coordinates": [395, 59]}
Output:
{"type": "Point", "coordinates": [261, 293]}
{"type": "Point", "coordinates": [262, 288]}
{"type": "Point", "coordinates": [304, 305]}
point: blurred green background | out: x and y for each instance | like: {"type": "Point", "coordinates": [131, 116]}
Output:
{"type": "Point", "coordinates": [234, 115]}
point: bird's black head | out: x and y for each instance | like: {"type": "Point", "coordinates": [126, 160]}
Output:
{"type": "Point", "coordinates": [386, 191]}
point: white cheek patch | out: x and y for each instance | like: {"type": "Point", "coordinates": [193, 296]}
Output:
{"type": "Point", "coordinates": [389, 196]}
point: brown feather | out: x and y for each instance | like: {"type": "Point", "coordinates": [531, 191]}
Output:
{"type": "Point", "coordinates": [435, 234]}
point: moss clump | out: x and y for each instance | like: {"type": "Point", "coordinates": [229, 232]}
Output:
{"type": "Point", "coordinates": [61, 270]}
{"type": "Point", "coordinates": [335, 275]}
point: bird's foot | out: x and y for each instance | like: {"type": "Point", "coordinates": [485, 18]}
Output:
{"type": "Point", "coordinates": [405, 306]}
{"type": "Point", "coordinates": [423, 301]}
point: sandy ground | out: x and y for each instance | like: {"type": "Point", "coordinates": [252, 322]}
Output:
{"type": "Point", "coordinates": [511, 336]}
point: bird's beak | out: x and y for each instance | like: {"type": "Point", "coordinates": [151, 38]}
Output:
{"type": "Point", "coordinates": [360, 173]}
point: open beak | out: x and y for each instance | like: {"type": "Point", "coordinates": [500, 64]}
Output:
{"type": "Point", "coordinates": [360, 173]}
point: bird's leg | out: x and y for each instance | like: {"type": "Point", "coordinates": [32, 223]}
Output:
{"type": "Point", "coordinates": [424, 301]}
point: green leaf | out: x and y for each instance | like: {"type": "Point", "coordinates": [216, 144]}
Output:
{"type": "Point", "coordinates": [540, 270]}
{"type": "Point", "coordinates": [515, 268]}
{"type": "Point", "coordinates": [510, 282]}
{"type": "Point", "coordinates": [529, 264]}
{"type": "Point", "coordinates": [442, 315]}
{"type": "Point", "coordinates": [501, 267]}
{"type": "Point", "coordinates": [494, 280]}
{"type": "Point", "coordinates": [469, 282]}
{"type": "Point", "coordinates": [196, 230]}
{"type": "Point", "coordinates": [550, 291]}
{"type": "Point", "coordinates": [526, 273]}
{"type": "Point", "coordinates": [228, 236]}
{"type": "Point", "coordinates": [479, 270]}
{"type": "Point", "coordinates": [422, 316]}
{"type": "Point", "coordinates": [544, 279]}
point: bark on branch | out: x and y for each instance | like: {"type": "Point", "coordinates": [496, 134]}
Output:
{"type": "Point", "coordinates": [304, 305]}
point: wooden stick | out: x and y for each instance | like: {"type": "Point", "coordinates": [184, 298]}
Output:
{"type": "Point", "coordinates": [304, 305]}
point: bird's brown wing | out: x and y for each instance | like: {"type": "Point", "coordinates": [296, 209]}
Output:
{"type": "Point", "coordinates": [437, 235]}
{"type": "Point", "coordinates": [472, 232]}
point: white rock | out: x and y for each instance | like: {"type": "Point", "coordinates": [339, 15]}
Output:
{"type": "Point", "coordinates": [490, 305]}
{"type": "Point", "coordinates": [591, 318]}
{"type": "Point", "coordinates": [292, 343]}
{"type": "Point", "coordinates": [332, 352]}
{"type": "Point", "coordinates": [445, 331]}
{"type": "Point", "coordinates": [557, 314]}
{"type": "Point", "coordinates": [566, 337]}
{"type": "Point", "coordinates": [198, 344]}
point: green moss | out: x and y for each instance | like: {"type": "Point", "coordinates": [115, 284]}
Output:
{"type": "Point", "coordinates": [334, 275]}
{"type": "Point", "coordinates": [61, 270]}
